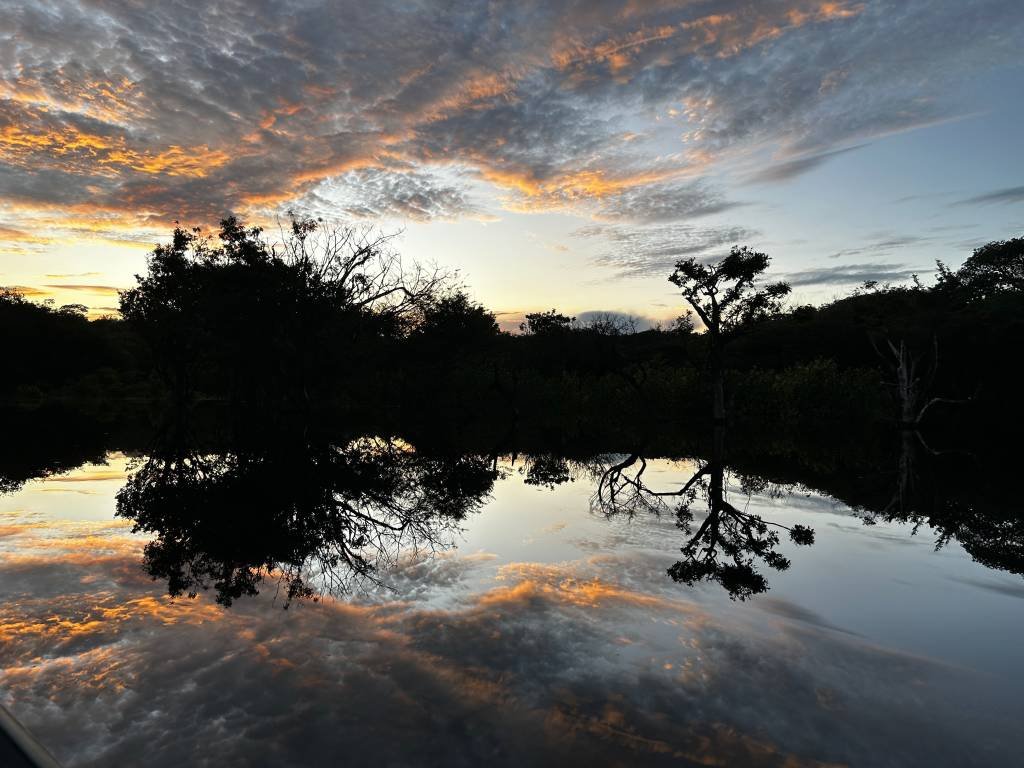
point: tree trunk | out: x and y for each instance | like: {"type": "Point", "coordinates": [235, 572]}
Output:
{"type": "Point", "coordinates": [716, 488]}
{"type": "Point", "coordinates": [717, 382]}
{"type": "Point", "coordinates": [907, 386]}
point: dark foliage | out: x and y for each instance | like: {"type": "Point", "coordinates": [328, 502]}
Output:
{"type": "Point", "coordinates": [333, 317]}
{"type": "Point", "coordinates": [283, 503]}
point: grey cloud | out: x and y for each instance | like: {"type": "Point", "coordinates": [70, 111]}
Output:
{"type": "Point", "coordinates": [109, 290]}
{"type": "Point", "coordinates": [790, 169]}
{"type": "Point", "coordinates": [882, 245]}
{"type": "Point", "coordinates": [1008, 195]}
{"type": "Point", "coordinates": [796, 612]}
{"type": "Point", "coordinates": [652, 251]}
{"type": "Point", "coordinates": [850, 274]}
{"type": "Point", "coordinates": [665, 202]}
{"type": "Point", "coordinates": [1005, 587]}
{"type": "Point", "coordinates": [531, 95]}
{"type": "Point", "coordinates": [380, 193]}
{"type": "Point", "coordinates": [887, 68]}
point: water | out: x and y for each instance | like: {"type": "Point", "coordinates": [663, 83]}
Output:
{"type": "Point", "coordinates": [532, 630]}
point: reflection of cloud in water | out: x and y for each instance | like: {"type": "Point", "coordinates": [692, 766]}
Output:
{"type": "Point", "coordinates": [585, 662]}
{"type": "Point", "coordinates": [428, 577]}
{"type": "Point", "coordinates": [789, 610]}
{"type": "Point", "coordinates": [90, 475]}
{"type": "Point", "coordinates": [1001, 587]}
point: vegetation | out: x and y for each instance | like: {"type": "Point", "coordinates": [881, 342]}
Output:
{"type": "Point", "coordinates": [333, 317]}
{"type": "Point", "coordinates": [728, 301]}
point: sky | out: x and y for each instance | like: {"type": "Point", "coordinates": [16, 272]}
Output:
{"type": "Point", "coordinates": [557, 154]}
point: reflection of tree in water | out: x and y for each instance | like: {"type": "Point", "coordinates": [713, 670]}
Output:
{"type": "Point", "coordinates": [940, 490]}
{"type": "Point", "coordinates": [546, 470]}
{"type": "Point", "coordinates": [726, 546]}
{"type": "Point", "coordinates": [45, 442]}
{"type": "Point", "coordinates": [315, 514]}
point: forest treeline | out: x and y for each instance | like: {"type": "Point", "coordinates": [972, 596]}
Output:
{"type": "Point", "coordinates": [333, 318]}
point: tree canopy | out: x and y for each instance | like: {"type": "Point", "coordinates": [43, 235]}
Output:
{"type": "Point", "coordinates": [726, 295]}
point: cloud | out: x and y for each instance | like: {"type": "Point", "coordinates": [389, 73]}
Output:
{"type": "Point", "coordinates": [143, 114]}
{"type": "Point", "coordinates": [1008, 195]}
{"type": "Point", "coordinates": [653, 251]}
{"type": "Point", "coordinates": [1008, 588]}
{"type": "Point", "coordinates": [105, 290]}
{"type": "Point", "coordinates": [377, 193]}
{"type": "Point", "coordinates": [27, 291]}
{"type": "Point", "coordinates": [473, 659]}
{"type": "Point", "coordinates": [790, 169]}
{"type": "Point", "coordinates": [578, 663]}
{"type": "Point", "coordinates": [664, 202]}
{"type": "Point", "coordinates": [882, 245]}
{"type": "Point", "coordinates": [850, 274]}
{"type": "Point", "coordinates": [10, 234]}
{"type": "Point", "coordinates": [795, 612]}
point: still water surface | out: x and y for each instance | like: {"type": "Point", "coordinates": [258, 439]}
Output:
{"type": "Point", "coordinates": [535, 631]}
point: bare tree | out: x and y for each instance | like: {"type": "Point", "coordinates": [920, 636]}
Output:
{"type": "Point", "coordinates": [360, 268]}
{"type": "Point", "coordinates": [611, 324]}
{"type": "Point", "coordinates": [913, 378]}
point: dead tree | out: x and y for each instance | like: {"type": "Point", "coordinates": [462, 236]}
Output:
{"type": "Point", "coordinates": [913, 379]}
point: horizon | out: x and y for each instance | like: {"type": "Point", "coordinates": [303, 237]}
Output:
{"type": "Point", "coordinates": [558, 155]}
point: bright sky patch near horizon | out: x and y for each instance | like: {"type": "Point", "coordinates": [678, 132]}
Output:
{"type": "Point", "coordinates": [558, 154]}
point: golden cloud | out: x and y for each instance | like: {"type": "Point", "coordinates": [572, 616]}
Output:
{"type": "Point", "coordinates": [78, 151]}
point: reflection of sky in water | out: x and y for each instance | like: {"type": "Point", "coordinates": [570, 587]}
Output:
{"type": "Point", "coordinates": [550, 636]}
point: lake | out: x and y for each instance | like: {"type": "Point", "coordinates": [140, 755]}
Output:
{"type": "Point", "coordinates": [360, 602]}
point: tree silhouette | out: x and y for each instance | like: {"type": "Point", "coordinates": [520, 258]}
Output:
{"type": "Point", "coordinates": [993, 268]}
{"type": "Point", "coordinates": [259, 320]}
{"type": "Point", "coordinates": [927, 489]}
{"type": "Point", "coordinates": [455, 320]}
{"type": "Point", "coordinates": [727, 298]}
{"type": "Point", "coordinates": [316, 514]}
{"type": "Point", "coordinates": [546, 323]}
{"type": "Point", "coordinates": [727, 544]}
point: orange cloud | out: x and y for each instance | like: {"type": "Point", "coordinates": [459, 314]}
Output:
{"type": "Point", "coordinates": [474, 91]}
{"type": "Point", "coordinates": [104, 290]}
{"type": "Point", "coordinates": [26, 291]}
{"type": "Point", "coordinates": [80, 151]}
{"type": "Point", "coordinates": [571, 186]}
{"type": "Point", "coordinates": [616, 52]}
{"type": "Point", "coordinates": [11, 234]}
{"type": "Point", "coordinates": [562, 585]}
{"type": "Point", "coordinates": [733, 33]}
{"type": "Point", "coordinates": [108, 98]}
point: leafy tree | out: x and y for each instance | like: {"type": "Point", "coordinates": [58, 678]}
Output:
{"type": "Point", "coordinates": [993, 268]}
{"type": "Point", "coordinates": [547, 323]}
{"type": "Point", "coordinates": [252, 320]}
{"type": "Point", "coordinates": [46, 348]}
{"type": "Point", "coordinates": [457, 321]}
{"type": "Point", "coordinates": [728, 298]}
